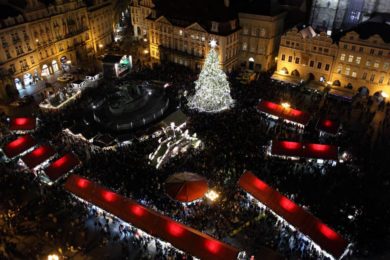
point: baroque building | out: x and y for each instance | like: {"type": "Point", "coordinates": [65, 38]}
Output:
{"type": "Point", "coordinates": [38, 40]}
{"type": "Point", "coordinates": [356, 60]}
{"type": "Point", "coordinates": [247, 32]}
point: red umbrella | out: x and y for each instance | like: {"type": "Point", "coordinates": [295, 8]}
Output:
{"type": "Point", "coordinates": [186, 186]}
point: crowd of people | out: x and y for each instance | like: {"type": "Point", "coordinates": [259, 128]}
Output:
{"type": "Point", "coordinates": [233, 140]}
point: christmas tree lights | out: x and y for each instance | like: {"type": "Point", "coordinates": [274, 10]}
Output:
{"type": "Point", "coordinates": [212, 90]}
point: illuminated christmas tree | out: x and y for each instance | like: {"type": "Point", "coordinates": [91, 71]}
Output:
{"type": "Point", "coordinates": [212, 91]}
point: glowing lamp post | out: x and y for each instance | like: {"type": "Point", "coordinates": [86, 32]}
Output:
{"type": "Point", "coordinates": [212, 195]}
{"type": "Point", "coordinates": [286, 105]}
{"type": "Point", "coordinates": [53, 257]}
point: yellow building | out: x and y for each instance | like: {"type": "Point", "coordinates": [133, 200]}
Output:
{"type": "Point", "coordinates": [357, 60]}
{"type": "Point", "coordinates": [247, 32]}
{"type": "Point", "coordinates": [259, 39]}
{"type": "Point", "coordinates": [38, 41]}
{"type": "Point", "coordinates": [140, 10]}
{"type": "Point", "coordinates": [363, 60]}
{"type": "Point", "coordinates": [305, 55]}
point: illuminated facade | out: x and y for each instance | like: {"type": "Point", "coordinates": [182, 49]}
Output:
{"type": "Point", "coordinates": [259, 40]}
{"type": "Point", "coordinates": [42, 40]}
{"type": "Point", "coordinates": [244, 38]}
{"type": "Point", "coordinates": [359, 60]}
{"type": "Point", "coordinates": [140, 9]}
{"type": "Point", "coordinates": [305, 55]}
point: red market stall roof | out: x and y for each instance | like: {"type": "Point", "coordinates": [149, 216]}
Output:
{"type": "Point", "coordinates": [286, 113]}
{"type": "Point", "coordinates": [186, 186]}
{"type": "Point", "coordinates": [19, 146]}
{"type": "Point", "coordinates": [180, 236]}
{"type": "Point", "coordinates": [328, 126]}
{"type": "Point", "coordinates": [22, 124]}
{"type": "Point", "coordinates": [38, 156]}
{"type": "Point", "coordinates": [61, 166]}
{"type": "Point", "coordinates": [307, 150]}
{"type": "Point", "coordinates": [304, 221]}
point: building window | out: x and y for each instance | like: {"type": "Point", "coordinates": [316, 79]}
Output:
{"type": "Point", "coordinates": [350, 58]}
{"type": "Point", "coordinates": [381, 79]}
{"type": "Point", "coordinates": [342, 57]}
{"type": "Point", "coordinates": [32, 59]}
{"type": "Point", "coordinates": [7, 54]}
{"type": "Point", "coordinates": [327, 66]}
{"type": "Point", "coordinates": [289, 58]}
{"type": "Point", "coordinates": [361, 49]}
{"type": "Point", "coordinates": [311, 63]}
{"type": "Point", "coordinates": [319, 65]}
{"type": "Point", "coordinates": [320, 49]}
{"type": "Point", "coordinates": [372, 51]}
{"type": "Point", "coordinates": [246, 30]}
{"type": "Point", "coordinates": [254, 32]}
{"type": "Point", "coordinates": [353, 47]}
{"type": "Point", "coordinates": [181, 32]}
{"type": "Point", "coordinates": [358, 59]}
{"type": "Point", "coordinates": [380, 53]}
{"type": "Point", "coordinates": [326, 50]}
{"type": "Point", "coordinates": [345, 46]}
{"type": "Point", "coordinates": [339, 69]}
{"type": "Point", "coordinates": [262, 32]}
{"type": "Point", "coordinates": [287, 42]}
{"type": "Point", "coordinates": [368, 63]}
{"type": "Point", "coordinates": [372, 78]}
{"type": "Point", "coordinates": [347, 71]}
{"type": "Point", "coordinates": [297, 60]}
{"type": "Point", "coordinates": [244, 46]}
{"type": "Point", "coordinates": [283, 57]}
{"type": "Point", "coordinates": [314, 48]}
{"type": "Point", "coordinates": [354, 74]}
{"type": "Point", "coordinates": [376, 64]}
{"type": "Point", "coordinates": [364, 76]}
{"type": "Point", "coordinates": [386, 66]}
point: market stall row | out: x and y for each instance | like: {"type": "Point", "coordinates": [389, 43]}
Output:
{"type": "Point", "coordinates": [320, 234]}
{"type": "Point", "coordinates": [178, 235]}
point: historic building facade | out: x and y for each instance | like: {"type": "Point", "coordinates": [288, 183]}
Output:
{"type": "Point", "coordinates": [140, 9]}
{"type": "Point", "coordinates": [43, 40]}
{"type": "Point", "coordinates": [259, 40]}
{"type": "Point", "coordinates": [358, 60]}
{"type": "Point", "coordinates": [244, 39]}
{"type": "Point", "coordinates": [328, 15]}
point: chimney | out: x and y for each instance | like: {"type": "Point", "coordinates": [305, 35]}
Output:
{"type": "Point", "coordinates": [227, 3]}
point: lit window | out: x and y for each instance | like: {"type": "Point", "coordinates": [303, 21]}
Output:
{"type": "Point", "coordinates": [181, 32]}
{"type": "Point", "coordinates": [368, 63]}
{"type": "Point", "coordinates": [386, 65]}
{"type": "Point", "coordinates": [342, 57]}
{"type": "Point", "coordinates": [358, 59]}
{"type": "Point", "coordinates": [339, 69]}
{"type": "Point", "coordinates": [350, 58]}
{"type": "Point", "coordinates": [354, 74]}
{"type": "Point", "coordinates": [244, 46]}
{"type": "Point", "coordinates": [347, 71]}
{"type": "Point", "coordinates": [376, 65]}
{"type": "Point", "coordinates": [364, 75]}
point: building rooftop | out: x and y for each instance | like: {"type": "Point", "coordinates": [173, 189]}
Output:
{"type": "Point", "coordinates": [368, 29]}
{"type": "Point", "coordinates": [8, 11]}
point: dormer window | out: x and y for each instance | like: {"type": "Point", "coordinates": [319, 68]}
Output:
{"type": "Point", "coordinates": [214, 26]}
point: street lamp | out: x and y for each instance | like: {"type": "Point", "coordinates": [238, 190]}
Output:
{"type": "Point", "coordinates": [53, 257]}
{"type": "Point", "coordinates": [146, 51]}
{"type": "Point", "coordinates": [100, 45]}
{"type": "Point", "coordinates": [286, 105]}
